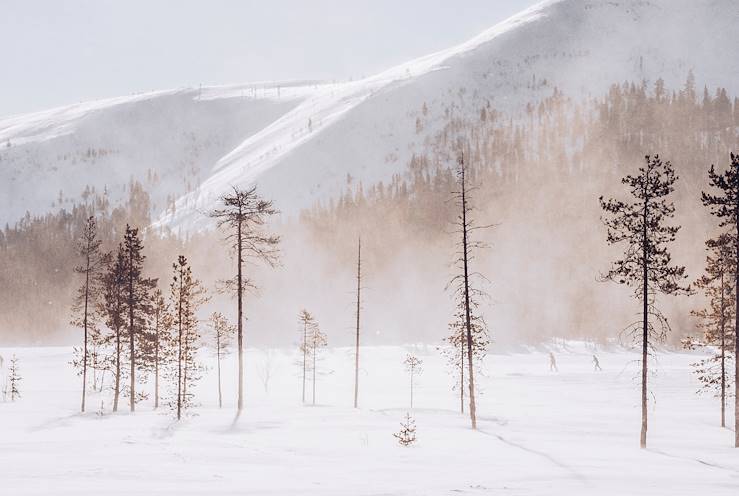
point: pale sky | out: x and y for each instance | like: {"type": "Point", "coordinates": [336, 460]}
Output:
{"type": "Point", "coordinates": [57, 52]}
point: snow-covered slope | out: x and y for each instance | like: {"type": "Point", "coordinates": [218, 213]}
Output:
{"type": "Point", "coordinates": [301, 141]}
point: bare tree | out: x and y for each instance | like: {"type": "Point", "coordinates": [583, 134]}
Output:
{"type": "Point", "coordinates": [725, 206]}
{"type": "Point", "coordinates": [474, 340]}
{"type": "Point", "coordinates": [646, 263]}
{"type": "Point", "coordinates": [223, 332]}
{"type": "Point", "coordinates": [244, 215]}
{"type": "Point", "coordinates": [161, 338]}
{"type": "Point", "coordinates": [93, 265]}
{"type": "Point", "coordinates": [316, 341]}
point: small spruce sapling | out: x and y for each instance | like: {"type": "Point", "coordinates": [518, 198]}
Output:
{"type": "Point", "coordinates": [407, 434]}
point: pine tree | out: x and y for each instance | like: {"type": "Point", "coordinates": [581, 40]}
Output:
{"type": "Point", "coordinates": [413, 366]}
{"type": "Point", "coordinates": [94, 262]}
{"type": "Point", "coordinates": [716, 319]}
{"type": "Point", "coordinates": [725, 206]}
{"type": "Point", "coordinates": [407, 434]}
{"type": "Point", "coordinates": [161, 339]}
{"type": "Point", "coordinates": [307, 327]}
{"type": "Point", "coordinates": [114, 310]}
{"type": "Point", "coordinates": [223, 332]}
{"type": "Point", "coordinates": [646, 265]}
{"type": "Point", "coordinates": [316, 341]}
{"type": "Point", "coordinates": [137, 299]}
{"type": "Point", "coordinates": [244, 215]}
{"type": "Point", "coordinates": [14, 379]}
{"type": "Point", "coordinates": [186, 297]}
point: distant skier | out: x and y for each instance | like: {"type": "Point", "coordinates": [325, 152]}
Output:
{"type": "Point", "coordinates": [552, 363]}
{"type": "Point", "coordinates": [596, 363]}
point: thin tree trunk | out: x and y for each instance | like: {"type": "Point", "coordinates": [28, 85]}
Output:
{"type": "Point", "coordinates": [462, 343]}
{"type": "Point", "coordinates": [305, 353]}
{"type": "Point", "coordinates": [156, 361]}
{"type": "Point", "coordinates": [468, 323]}
{"type": "Point", "coordinates": [240, 337]}
{"type": "Point", "coordinates": [723, 353]}
{"type": "Point", "coordinates": [736, 327]}
{"type": "Point", "coordinates": [645, 327]}
{"type": "Point", "coordinates": [117, 393]}
{"type": "Point", "coordinates": [179, 350]}
{"type": "Point", "coordinates": [84, 318]}
{"type": "Point", "coordinates": [411, 388]}
{"type": "Point", "coordinates": [132, 333]}
{"type": "Point", "coordinates": [218, 355]}
{"type": "Point", "coordinates": [314, 373]}
{"type": "Point", "coordinates": [356, 348]}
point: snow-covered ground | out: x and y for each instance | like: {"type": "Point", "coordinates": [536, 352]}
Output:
{"type": "Point", "coordinates": [573, 432]}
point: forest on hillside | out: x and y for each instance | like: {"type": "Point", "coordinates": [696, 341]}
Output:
{"type": "Point", "coordinates": [536, 176]}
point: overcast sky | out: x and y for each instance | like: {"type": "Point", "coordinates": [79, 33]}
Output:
{"type": "Point", "coordinates": [58, 52]}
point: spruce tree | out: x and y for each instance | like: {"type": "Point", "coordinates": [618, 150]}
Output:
{"type": "Point", "coordinates": [138, 299]}
{"type": "Point", "coordinates": [716, 319]}
{"type": "Point", "coordinates": [14, 379]}
{"type": "Point", "coordinates": [646, 266]}
{"type": "Point", "coordinates": [307, 325]}
{"type": "Point", "coordinates": [113, 307]}
{"type": "Point", "coordinates": [724, 204]}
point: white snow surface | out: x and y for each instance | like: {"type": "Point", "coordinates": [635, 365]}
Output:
{"type": "Point", "coordinates": [300, 141]}
{"type": "Point", "coordinates": [574, 432]}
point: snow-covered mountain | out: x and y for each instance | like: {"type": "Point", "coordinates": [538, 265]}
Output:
{"type": "Point", "coordinates": [302, 141]}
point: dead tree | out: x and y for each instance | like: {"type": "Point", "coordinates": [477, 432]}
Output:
{"type": "Point", "coordinates": [725, 206]}
{"type": "Point", "coordinates": [474, 338]}
{"type": "Point", "coordinates": [94, 263]}
{"type": "Point", "coordinates": [646, 266]}
{"type": "Point", "coordinates": [243, 216]}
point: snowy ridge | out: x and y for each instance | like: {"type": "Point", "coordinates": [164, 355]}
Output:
{"type": "Point", "coordinates": [302, 140]}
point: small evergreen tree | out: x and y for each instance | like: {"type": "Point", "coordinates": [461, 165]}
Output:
{"type": "Point", "coordinates": [307, 326]}
{"type": "Point", "coordinates": [316, 341]}
{"type": "Point", "coordinates": [407, 434]}
{"type": "Point", "coordinates": [413, 366]}
{"type": "Point", "coordinates": [223, 332]}
{"type": "Point", "coordinates": [14, 379]}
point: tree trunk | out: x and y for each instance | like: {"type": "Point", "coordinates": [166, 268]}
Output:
{"type": "Point", "coordinates": [240, 338]}
{"type": "Point", "coordinates": [411, 388]}
{"type": "Point", "coordinates": [736, 327]}
{"type": "Point", "coordinates": [84, 319]}
{"type": "Point", "coordinates": [305, 354]}
{"type": "Point", "coordinates": [314, 374]}
{"type": "Point", "coordinates": [117, 393]}
{"type": "Point", "coordinates": [462, 343]}
{"type": "Point", "coordinates": [156, 363]}
{"type": "Point", "coordinates": [356, 345]}
{"type": "Point", "coordinates": [132, 333]}
{"type": "Point", "coordinates": [218, 356]}
{"type": "Point", "coordinates": [468, 323]}
{"type": "Point", "coordinates": [645, 327]}
{"type": "Point", "coordinates": [723, 353]}
{"type": "Point", "coordinates": [179, 350]}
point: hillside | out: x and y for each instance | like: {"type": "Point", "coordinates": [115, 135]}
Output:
{"type": "Point", "coordinates": [305, 141]}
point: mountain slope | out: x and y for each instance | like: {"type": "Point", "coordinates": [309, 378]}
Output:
{"type": "Point", "coordinates": [302, 142]}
